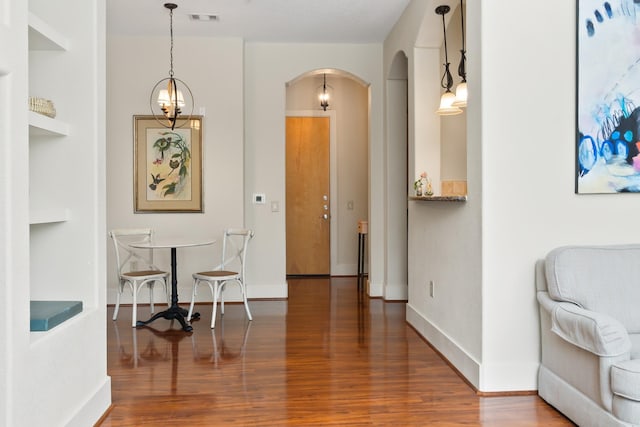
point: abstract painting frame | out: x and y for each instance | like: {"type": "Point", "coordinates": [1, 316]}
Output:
{"type": "Point", "coordinates": [167, 166]}
{"type": "Point", "coordinates": [607, 156]}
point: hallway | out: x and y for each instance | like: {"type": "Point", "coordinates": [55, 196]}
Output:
{"type": "Point", "coordinates": [324, 357]}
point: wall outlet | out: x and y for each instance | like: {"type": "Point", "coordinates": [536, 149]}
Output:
{"type": "Point", "coordinates": [432, 288]}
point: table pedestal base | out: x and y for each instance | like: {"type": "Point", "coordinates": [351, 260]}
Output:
{"type": "Point", "coordinates": [173, 312]}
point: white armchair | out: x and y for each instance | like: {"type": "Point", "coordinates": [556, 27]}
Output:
{"type": "Point", "coordinates": [589, 300]}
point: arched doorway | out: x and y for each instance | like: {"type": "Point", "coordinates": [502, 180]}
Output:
{"type": "Point", "coordinates": [348, 114]}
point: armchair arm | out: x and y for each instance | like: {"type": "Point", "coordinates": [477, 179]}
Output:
{"type": "Point", "coordinates": [597, 333]}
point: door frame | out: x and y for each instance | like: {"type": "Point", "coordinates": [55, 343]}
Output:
{"type": "Point", "coordinates": [333, 176]}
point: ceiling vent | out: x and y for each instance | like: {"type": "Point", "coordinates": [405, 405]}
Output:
{"type": "Point", "coordinates": [203, 17]}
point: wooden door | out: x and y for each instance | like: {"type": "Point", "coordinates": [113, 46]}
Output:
{"type": "Point", "coordinates": [307, 192]}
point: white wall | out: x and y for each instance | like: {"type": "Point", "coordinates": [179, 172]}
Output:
{"type": "Point", "coordinates": [529, 205]}
{"type": "Point", "coordinates": [268, 67]}
{"type": "Point", "coordinates": [213, 69]}
{"type": "Point", "coordinates": [444, 238]}
{"type": "Point", "coordinates": [520, 170]}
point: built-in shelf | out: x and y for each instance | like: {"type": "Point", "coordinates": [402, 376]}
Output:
{"type": "Point", "coordinates": [48, 216]}
{"type": "Point", "coordinates": [67, 328]}
{"type": "Point", "coordinates": [40, 125]}
{"type": "Point", "coordinates": [439, 198]}
{"type": "Point", "coordinates": [43, 36]}
{"type": "Point", "coordinates": [45, 315]}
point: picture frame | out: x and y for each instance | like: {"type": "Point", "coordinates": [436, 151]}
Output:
{"type": "Point", "coordinates": [167, 168]}
{"type": "Point", "coordinates": [607, 155]}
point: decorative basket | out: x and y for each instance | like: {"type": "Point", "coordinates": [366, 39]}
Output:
{"type": "Point", "coordinates": [42, 106]}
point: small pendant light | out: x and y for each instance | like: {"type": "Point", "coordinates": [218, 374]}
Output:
{"type": "Point", "coordinates": [323, 94]}
{"type": "Point", "coordinates": [461, 89]}
{"type": "Point", "coordinates": [447, 99]}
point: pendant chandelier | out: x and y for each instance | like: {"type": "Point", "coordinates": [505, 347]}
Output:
{"type": "Point", "coordinates": [461, 89]}
{"type": "Point", "coordinates": [323, 93]}
{"type": "Point", "coordinates": [448, 98]}
{"type": "Point", "coordinates": [170, 95]}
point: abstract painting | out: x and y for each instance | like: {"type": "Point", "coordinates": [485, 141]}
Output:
{"type": "Point", "coordinates": [608, 96]}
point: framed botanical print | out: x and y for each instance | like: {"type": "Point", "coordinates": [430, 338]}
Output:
{"type": "Point", "coordinates": [167, 165]}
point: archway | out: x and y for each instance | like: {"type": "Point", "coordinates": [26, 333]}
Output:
{"type": "Point", "coordinates": [348, 112]}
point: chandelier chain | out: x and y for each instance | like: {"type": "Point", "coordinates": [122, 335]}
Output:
{"type": "Point", "coordinates": [171, 48]}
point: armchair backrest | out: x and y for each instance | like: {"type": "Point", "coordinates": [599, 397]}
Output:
{"type": "Point", "coordinates": [604, 279]}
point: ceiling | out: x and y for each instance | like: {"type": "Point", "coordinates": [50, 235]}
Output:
{"type": "Point", "coordinates": [300, 21]}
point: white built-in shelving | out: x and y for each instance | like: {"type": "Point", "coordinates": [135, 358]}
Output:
{"type": "Point", "coordinates": [52, 228]}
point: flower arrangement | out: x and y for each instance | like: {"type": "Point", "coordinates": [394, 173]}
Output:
{"type": "Point", "coordinates": [423, 179]}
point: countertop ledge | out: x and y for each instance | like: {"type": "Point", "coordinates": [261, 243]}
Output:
{"type": "Point", "coordinates": [439, 198]}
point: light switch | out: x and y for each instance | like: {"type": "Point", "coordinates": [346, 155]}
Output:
{"type": "Point", "coordinates": [275, 206]}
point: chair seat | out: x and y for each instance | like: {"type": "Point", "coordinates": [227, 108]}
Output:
{"type": "Point", "coordinates": [145, 273]}
{"type": "Point", "coordinates": [218, 274]}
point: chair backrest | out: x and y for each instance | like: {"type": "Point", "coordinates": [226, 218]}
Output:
{"type": "Point", "coordinates": [234, 248]}
{"type": "Point", "coordinates": [127, 257]}
{"type": "Point", "coordinates": [604, 279]}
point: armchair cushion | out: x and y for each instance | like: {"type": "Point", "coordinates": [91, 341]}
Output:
{"type": "Point", "coordinates": [625, 379]}
{"type": "Point", "coordinates": [595, 332]}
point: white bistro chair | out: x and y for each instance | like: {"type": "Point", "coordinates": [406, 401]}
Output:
{"type": "Point", "coordinates": [234, 252]}
{"type": "Point", "coordinates": [136, 268]}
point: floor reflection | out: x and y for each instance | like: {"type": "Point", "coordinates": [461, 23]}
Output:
{"type": "Point", "coordinates": [329, 355]}
{"type": "Point", "coordinates": [224, 349]}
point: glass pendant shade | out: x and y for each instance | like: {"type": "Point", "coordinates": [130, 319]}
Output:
{"type": "Point", "coordinates": [171, 100]}
{"type": "Point", "coordinates": [461, 95]}
{"type": "Point", "coordinates": [446, 105]}
{"type": "Point", "coordinates": [324, 100]}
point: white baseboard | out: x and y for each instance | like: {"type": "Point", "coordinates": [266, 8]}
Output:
{"type": "Point", "coordinates": [94, 407]}
{"type": "Point", "coordinates": [457, 356]}
{"type": "Point", "coordinates": [396, 292]}
{"type": "Point", "coordinates": [375, 289]}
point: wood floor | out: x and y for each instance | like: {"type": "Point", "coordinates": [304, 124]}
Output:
{"type": "Point", "coordinates": [324, 357]}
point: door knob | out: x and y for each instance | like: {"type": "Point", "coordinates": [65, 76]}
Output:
{"type": "Point", "coordinates": [325, 216]}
